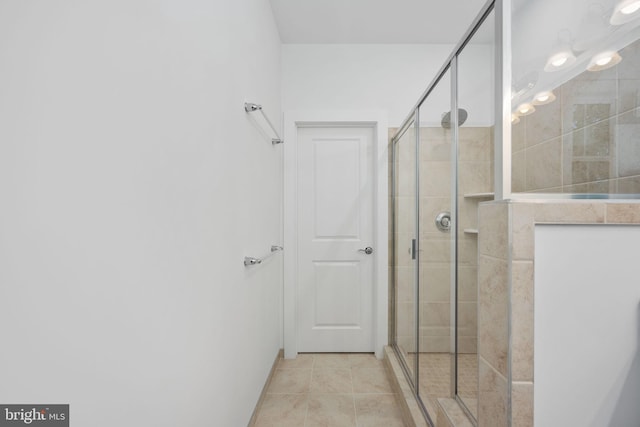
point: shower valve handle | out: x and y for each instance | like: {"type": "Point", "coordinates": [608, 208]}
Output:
{"type": "Point", "coordinates": [443, 221]}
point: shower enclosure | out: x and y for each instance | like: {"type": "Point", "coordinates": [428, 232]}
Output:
{"type": "Point", "coordinates": [538, 104]}
{"type": "Point", "coordinates": [442, 159]}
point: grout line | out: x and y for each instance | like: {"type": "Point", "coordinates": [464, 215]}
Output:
{"type": "Point", "coordinates": [355, 411]}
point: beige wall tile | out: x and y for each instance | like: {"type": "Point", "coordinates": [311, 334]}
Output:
{"type": "Point", "coordinates": [588, 98]}
{"type": "Point", "coordinates": [468, 319]}
{"type": "Point", "coordinates": [406, 182]}
{"type": "Point", "coordinates": [468, 250]}
{"type": "Point", "coordinates": [544, 124]}
{"type": "Point", "coordinates": [522, 321]}
{"type": "Point", "coordinates": [406, 343]}
{"type": "Point", "coordinates": [518, 138]}
{"type": "Point", "coordinates": [628, 148]}
{"type": "Point", "coordinates": [492, 399]}
{"type": "Point", "coordinates": [467, 345]}
{"type": "Point", "coordinates": [623, 213]}
{"type": "Point", "coordinates": [467, 213]}
{"type": "Point", "coordinates": [436, 344]}
{"type": "Point", "coordinates": [475, 144]}
{"type": "Point", "coordinates": [518, 172]}
{"type": "Point", "coordinates": [435, 314]}
{"type": "Point", "coordinates": [405, 319]}
{"type": "Point", "coordinates": [522, 223]}
{"type": "Point", "coordinates": [435, 179]}
{"type": "Point", "coordinates": [435, 331]}
{"type": "Point", "coordinates": [493, 229]}
{"type": "Point", "coordinates": [630, 185]}
{"type": "Point", "coordinates": [405, 284]}
{"type": "Point", "coordinates": [405, 214]}
{"type": "Point", "coordinates": [493, 312]}
{"type": "Point", "coordinates": [522, 404]}
{"type": "Point", "coordinates": [435, 248]}
{"type": "Point", "coordinates": [569, 212]}
{"type": "Point", "coordinates": [544, 165]}
{"type": "Point", "coordinates": [598, 139]}
{"type": "Point", "coordinates": [435, 283]}
{"type": "Point", "coordinates": [474, 177]}
{"type": "Point", "coordinates": [467, 283]}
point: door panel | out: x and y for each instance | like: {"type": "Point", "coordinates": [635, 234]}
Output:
{"type": "Point", "coordinates": [335, 220]}
{"type": "Point", "coordinates": [405, 238]}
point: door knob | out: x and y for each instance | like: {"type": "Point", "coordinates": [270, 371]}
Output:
{"type": "Point", "coordinates": [368, 250]}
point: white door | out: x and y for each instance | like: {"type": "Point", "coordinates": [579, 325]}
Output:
{"type": "Point", "coordinates": [335, 223]}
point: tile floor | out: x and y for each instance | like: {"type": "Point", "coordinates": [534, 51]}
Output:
{"type": "Point", "coordinates": [330, 390]}
{"type": "Point", "coordinates": [435, 378]}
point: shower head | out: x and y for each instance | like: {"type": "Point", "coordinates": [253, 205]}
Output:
{"type": "Point", "coordinates": [446, 119]}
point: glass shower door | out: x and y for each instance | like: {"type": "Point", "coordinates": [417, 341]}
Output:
{"type": "Point", "coordinates": [405, 235]}
{"type": "Point", "coordinates": [436, 249]}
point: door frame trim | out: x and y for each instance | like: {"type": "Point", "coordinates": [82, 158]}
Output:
{"type": "Point", "coordinates": [378, 121]}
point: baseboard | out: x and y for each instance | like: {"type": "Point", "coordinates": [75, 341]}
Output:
{"type": "Point", "coordinates": [254, 416]}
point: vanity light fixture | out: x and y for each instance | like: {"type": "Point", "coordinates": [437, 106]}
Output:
{"type": "Point", "coordinates": [515, 119]}
{"type": "Point", "coordinates": [562, 56]}
{"type": "Point", "coordinates": [561, 59]}
{"type": "Point", "coordinates": [525, 109]}
{"type": "Point", "coordinates": [544, 98]}
{"type": "Point", "coordinates": [604, 60]}
{"type": "Point", "coordinates": [625, 11]}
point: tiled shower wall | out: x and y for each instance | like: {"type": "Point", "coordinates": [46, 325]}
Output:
{"type": "Point", "coordinates": [506, 297]}
{"type": "Point", "coordinates": [475, 176]}
{"type": "Point", "coordinates": [588, 139]}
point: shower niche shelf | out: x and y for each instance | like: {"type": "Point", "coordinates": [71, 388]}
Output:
{"type": "Point", "coordinates": [479, 196]}
{"type": "Point", "coordinates": [470, 231]}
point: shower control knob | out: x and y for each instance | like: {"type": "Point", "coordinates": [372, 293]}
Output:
{"type": "Point", "coordinates": [443, 221]}
{"type": "Point", "coordinates": [368, 250]}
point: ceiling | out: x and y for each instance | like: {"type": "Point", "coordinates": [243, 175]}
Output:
{"type": "Point", "coordinates": [374, 21]}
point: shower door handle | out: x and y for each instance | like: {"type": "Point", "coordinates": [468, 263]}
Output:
{"type": "Point", "coordinates": [368, 250]}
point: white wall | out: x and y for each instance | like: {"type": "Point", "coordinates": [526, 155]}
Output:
{"type": "Point", "coordinates": [387, 77]}
{"type": "Point", "coordinates": [587, 326]}
{"type": "Point", "coordinates": [132, 184]}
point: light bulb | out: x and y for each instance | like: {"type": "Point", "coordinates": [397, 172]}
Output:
{"type": "Point", "coordinates": [559, 61]}
{"type": "Point", "coordinates": [526, 109]}
{"type": "Point", "coordinates": [630, 8]}
{"type": "Point", "coordinates": [625, 11]}
{"type": "Point", "coordinates": [544, 98]}
{"type": "Point", "coordinates": [515, 119]}
{"type": "Point", "coordinates": [604, 60]}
